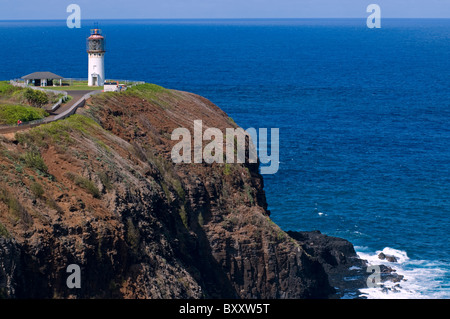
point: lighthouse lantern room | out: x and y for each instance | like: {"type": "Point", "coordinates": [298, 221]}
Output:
{"type": "Point", "coordinates": [96, 50]}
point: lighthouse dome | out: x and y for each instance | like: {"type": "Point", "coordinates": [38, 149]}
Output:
{"type": "Point", "coordinates": [96, 42]}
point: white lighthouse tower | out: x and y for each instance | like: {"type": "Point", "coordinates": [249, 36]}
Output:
{"type": "Point", "coordinates": [96, 51]}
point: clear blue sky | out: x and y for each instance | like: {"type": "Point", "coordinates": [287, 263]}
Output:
{"type": "Point", "coordinates": [179, 9]}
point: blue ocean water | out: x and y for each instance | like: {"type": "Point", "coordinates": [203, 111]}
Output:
{"type": "Point", "coordinates": [363, 115]}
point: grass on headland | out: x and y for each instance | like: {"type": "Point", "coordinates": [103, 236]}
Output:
{"type": "Point", "coordinates": [147, 91]}
{"type": "Point", "coordinates": [10, 114]}
{"type": "Point", "coordinates": [57, 132]}
{"type": "Point", "coordinates": [7, 90]}
{"type": "Point", "coordinates": [12, 95]}
{"type": "Point", "coordinates": [76, 87]}
{"type": "Point", "coordinates": [151, 92]}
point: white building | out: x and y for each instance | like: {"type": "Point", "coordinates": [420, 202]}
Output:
{"type": "Point", "coordinates": [114, 87]}
{"type": "Point", "coordinates": [96, 52]}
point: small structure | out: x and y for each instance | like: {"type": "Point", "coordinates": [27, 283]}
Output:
{"type": "Point", "coordinates": [114, 87]}
{"type": "Point", "coordinates": [42, 79]}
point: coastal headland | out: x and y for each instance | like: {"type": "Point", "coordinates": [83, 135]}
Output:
{"type": "Point", "coordinates": [98, 189]}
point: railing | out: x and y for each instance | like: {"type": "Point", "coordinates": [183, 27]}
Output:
{"type": "Point", "coordinates": [13, 128]}
{"type": "Point", "coordinates": [132, 82]}
{"type": "Point", "coordinates": [74, 107]}
{"type": "Point", "coordinates": [16, 82]}
{"type": "Point", "coordinates": [24, 85]}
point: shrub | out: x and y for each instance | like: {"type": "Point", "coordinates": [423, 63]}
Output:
{"type": "Point", "coordinates": [37, 190]}
{"type": "Point", "coordinates": [88, 185]}
{"type": "Point", "coordinates": [33, 159]}
{"type": "Point", "coordinates": [227, 169]}
{"type": "Point", "coordinates": [15, 207]}
{"type": "Point", "coordinates": [84, 183]}
{"type": "Point", "coordinates": [105, 180]}
{"type": "Point", "coordinates": [10, 114]}
{"type": "Point", "coordinates": [4, 232]}
{"type": "Point", "coordinates": [36, 98]}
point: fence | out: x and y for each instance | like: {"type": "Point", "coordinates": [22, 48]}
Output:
{"type": "Point", "coordinates": [132, 82]}
{"type": "Point", "coordinates": [16, 82]}
{"type": "Point", "coordinates": [74, 107]}
{"type": "Point", "coordinates": [24, 85]}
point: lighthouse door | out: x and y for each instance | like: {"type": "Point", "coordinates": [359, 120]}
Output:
{"type": "Point", "coordinates": [94, 77]}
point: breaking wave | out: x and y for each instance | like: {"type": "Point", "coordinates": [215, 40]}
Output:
{"type": "Point", "coordinates": [422, 279]}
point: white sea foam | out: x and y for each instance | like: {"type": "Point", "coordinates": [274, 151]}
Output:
{"type": "Point", "coordinates": [354, 268]}
{"type": "Point", "coordinates": [422, 278]}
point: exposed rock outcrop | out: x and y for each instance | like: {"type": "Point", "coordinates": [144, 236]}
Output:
{"type": "Point", "coordinates": [99, 190]}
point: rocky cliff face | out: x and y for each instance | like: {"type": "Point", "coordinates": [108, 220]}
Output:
{"type": "Point", "coordinates": [99, 190]}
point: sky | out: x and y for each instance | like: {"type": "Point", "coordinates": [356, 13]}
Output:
{"type": "Point", "coordinates": [220, 9]}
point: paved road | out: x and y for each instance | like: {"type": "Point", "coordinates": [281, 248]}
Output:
{"type": "Point", "coordinates": [76, 96]}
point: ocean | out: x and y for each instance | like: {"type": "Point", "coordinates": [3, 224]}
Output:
{"type": "Point", "coordinates": [363, 116]}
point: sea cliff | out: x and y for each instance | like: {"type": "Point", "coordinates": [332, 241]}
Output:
{"type": "Point", "coordinates": [99, 190]}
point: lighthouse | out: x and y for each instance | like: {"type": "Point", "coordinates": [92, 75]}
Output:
{"type": "Point", "coordinates": [96, 50]}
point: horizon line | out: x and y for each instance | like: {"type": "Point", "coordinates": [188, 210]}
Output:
{"type": "Point", "coordinates": [218, 19]}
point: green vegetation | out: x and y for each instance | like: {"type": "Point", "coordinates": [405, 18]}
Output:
{"type": "Point", "coordinates": [4, 232]}
{"type": "Point", "coordinates": [6, 89]}
{"type": "Point", "coordinates": [105, 180]}
{"type": "Point", "coordinates": [84, 183]}
{"type": "Point", "coordinates": [37, 190]}
{"type": "Point", "coordinates": [33, 159]}
{"type": "Point", "coordinates": [146, 89]}
{"type": "Point", "coordinates": [76, 86]}
{"type": "Point", "coordinates": [150, 92]}
{"type": "Point", "coordinates": [184, 217]}
{"type": "Point", "coordinates": [227, 169]}
{"type": "Point", "coordinates": [15, 207]}
{"type": "Point", "coordinates": [10, 114]}
{"type": "Point", "coordinates": [10, 94]}
{"type": "Point", "coordinates": [232, 121]}
{"type": "Point", "coordinates": [133, 235]}
{"type": "Point", "coordinates": [36, 98]}
{"type": "Point", "coordinates": [67, 99]}
{"type": "Point", "coordinates": [57, 132]}
{"type": "Point", "coordinates": [200, 219]}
